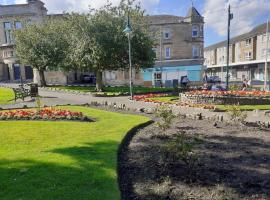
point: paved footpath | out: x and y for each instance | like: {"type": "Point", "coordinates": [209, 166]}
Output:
{"type": "Point", "coordinates": [54, 98]}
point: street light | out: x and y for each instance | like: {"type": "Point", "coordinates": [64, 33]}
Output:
{"type": "Point", "coordinates": [128, 32]}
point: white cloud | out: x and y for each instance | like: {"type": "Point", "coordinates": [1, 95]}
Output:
{"type": "Point", "coordinates": [59, 6]}
{"type": "Point", "coordinates": [246, 13]}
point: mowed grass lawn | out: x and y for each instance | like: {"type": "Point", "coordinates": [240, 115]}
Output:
{"type": "Point", "coordinates": [167, 99]}
{"type": "Point", "coordinates": [6, 96]}
{"type": "Point", "coordinates": [63, 160]}
{"type": "Point", "coordinates": [245, 107]}
{"type": "Point", "coordinates": [120, 89]}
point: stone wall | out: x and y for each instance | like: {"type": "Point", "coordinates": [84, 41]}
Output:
{"type": "Point", "coordinates": [224, 100]}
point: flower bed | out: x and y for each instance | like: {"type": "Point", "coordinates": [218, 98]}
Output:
{"type": "Point", "coordinates": [49, 114]}
{"type": "Point", "coordinates": [148, 98]}
{"type": "Point", "coordinates": [227, 97]}
{"type": "Point", "coordinates": [230, 93]}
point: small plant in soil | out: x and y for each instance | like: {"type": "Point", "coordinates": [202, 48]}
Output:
{"type": "Point", "coordinates": [181, 148]}
{"type": "Point", "coordinates": [166, 116]}
{"type": "Point", "coordinates": [236, 114]}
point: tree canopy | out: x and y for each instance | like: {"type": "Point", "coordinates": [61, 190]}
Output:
{"type": "Point", "coordinates": [93, 41]}
{"type": "Point", "coordinates": [42, 45]}
{"type": "Point", "coordinates": [99, 43]}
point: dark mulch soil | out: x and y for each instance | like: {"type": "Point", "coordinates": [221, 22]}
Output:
{"type": "Point", "coordinates": [234, 164]}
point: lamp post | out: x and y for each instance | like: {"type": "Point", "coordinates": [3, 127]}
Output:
{"type": "Point", "coordinates": [128, 32]}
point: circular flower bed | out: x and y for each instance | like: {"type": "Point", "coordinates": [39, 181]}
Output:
{"type": "Point", "coordinates": [49, 114]}
{"type": "Point", "coordinates": [255, 93]}
{"type": "Point", "coordinates": [227, 97]}
{"type": "Point", "coordinates": [148, 98]}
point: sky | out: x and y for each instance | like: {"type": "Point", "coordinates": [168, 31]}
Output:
{"type": "Point", "coordinates": [247, 13]}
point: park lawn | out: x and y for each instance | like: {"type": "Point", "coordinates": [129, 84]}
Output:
{"type": "Point", "coordinates": [63, 160]}
{"type": "Point", "coordinates": [167, 99]}
{"type": "Point", "coordinates": [6, 96]}
{"type": "Point", "coordinates": [120, 89]}
{"type": "Point", "coordinates": [245, 107]}
{"type": "Point", "coordinates": [76, 88]}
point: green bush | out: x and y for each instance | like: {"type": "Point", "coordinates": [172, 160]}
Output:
{"type": "Point", "coordinates": [181, 148]}
{"type": "Point", "coordinates": [236, 114]}
{"type": "Point", "coordinates": [166, 116]}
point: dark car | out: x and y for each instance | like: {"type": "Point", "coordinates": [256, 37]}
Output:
{"type": "Point", "coordinates": [218, 88]}
{"type": "Point", "coordinates": [214, 79]}
{"type": "Point", "coordinates": [88, 79]}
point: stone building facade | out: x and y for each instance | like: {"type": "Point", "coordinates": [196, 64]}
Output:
{"type": "Point", "coordinates": [247, 57]}
{"type": "Point", "coordinates": [15, 17]}
{"type": "Point", "coordinates": [179, 45]}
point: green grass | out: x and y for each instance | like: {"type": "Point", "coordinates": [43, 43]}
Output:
{"type": "Point", "coordinates": [245, 107]}
{"type": "Point", "coordinates": [6, 96]}
{"type": "Point", "coordinates": [121, 89]}
{"type": "Point", "coordinates": [168, 99]}
{"type": "Point", "coordinates": [75, 88]}
{"type": "Point", "coordinates": [63, 160]}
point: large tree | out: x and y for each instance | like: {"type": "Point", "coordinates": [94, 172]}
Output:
{"type": "Point", "coordinates": [98, 43]}
{"type": "Point", "coordinates": [42, 45]}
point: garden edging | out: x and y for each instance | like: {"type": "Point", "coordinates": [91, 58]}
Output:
{"type": "Point", "coordinates": [121, 156]}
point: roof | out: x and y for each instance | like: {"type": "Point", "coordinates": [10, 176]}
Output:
{"type": "Point", "coordinates": [193, 12]}
{"type": "Point", "coordinates": [164, 19]}
{"type": "Point", "coordinates": [258, 30]}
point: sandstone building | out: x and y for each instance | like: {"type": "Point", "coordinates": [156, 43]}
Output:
{"type": "Point", "coordinates": [247, 57]}
{"type": "Point", "coordinates": [179, 45]}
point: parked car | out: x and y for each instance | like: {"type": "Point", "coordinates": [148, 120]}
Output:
{"type": "Point", "coordinates": [88, 79]}
{"type": "Point", "coordinates": [214, 79]}
{"type": "Point", "coordinates": [218, 88]}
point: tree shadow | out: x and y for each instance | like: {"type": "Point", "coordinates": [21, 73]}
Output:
{"type": "Point", "coordinates": [240, 164]}
{"type": "Point", "coordinates": [91, 174]}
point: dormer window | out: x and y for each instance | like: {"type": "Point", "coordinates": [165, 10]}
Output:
{"type": "Point", "coordinates": [195, 31]}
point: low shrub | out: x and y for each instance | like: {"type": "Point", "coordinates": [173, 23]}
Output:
{"type": "Point", "coordinates": [182, 149]}
{"type": "Point", "coordinates": [166, 116]}
{"type": "Point", "coordinates": [236, 114]}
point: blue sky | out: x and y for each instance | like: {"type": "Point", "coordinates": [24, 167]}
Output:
{"type": "Point", "coordinates": [247, 13]}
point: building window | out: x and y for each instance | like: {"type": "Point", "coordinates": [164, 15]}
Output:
{"type": "Point", "coordinates": [248, 42]}
{"type": "Point", "coordinates": [201, 30]}
{"type": "Point", "coordinates": [195, 51]}
{"type": "Point", "coordinates": [167, 52]}
{"type": "Point", "coordinates": [155, 52]}
{"type": "Point", "coordinates": [195, 31]}
{"type": "Point", "coordinates": [248, 55]}
{"type": "Point", "coordinates": [18, 25]}
{"type": "Point", "coordinates": [167, 34]}
{"type": "Point", "coordinates": [7, 29]}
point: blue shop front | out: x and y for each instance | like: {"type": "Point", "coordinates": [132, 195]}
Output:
{"type": "Point", "coordinates": [170, 76]}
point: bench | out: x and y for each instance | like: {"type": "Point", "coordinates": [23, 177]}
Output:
{"type": "Point", "coordinates": [21, 93]}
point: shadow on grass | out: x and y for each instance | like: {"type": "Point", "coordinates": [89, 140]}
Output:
{"type": "Point", "coordinates": [89, 175]}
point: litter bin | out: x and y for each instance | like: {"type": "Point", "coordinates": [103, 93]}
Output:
{"type": "Point", "coordinates": [33, 90]}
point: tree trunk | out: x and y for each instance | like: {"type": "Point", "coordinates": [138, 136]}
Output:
{"type": "Point", "coordinates": [99, 82]}
{"type": "Point", "coordinates": [42, 78]}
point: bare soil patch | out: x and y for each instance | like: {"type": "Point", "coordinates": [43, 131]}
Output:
{"type": "Point", "coordinates": [234, 164]}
